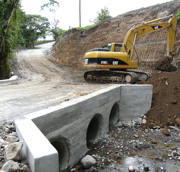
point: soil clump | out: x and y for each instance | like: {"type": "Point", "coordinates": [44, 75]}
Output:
{"type": "Point", "coordinates": [165, 110]}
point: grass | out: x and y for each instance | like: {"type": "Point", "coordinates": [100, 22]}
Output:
{"type": "Point", "coordinates": [87, 27]}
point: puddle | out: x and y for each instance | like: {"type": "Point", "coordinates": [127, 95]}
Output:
{"type": "Point", "coordinates": [141, 164]}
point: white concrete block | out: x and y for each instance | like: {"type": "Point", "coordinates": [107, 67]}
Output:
{"type": "Point", "coordinates": [41, 155]}
{"type": "Point", "coordinates": [67, 124]}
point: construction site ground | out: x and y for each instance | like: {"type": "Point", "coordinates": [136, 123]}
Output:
{"type": "Point", "coordinates": [43, 83]}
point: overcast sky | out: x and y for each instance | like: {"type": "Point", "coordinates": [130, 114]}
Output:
{"type": "Point", "coordinates": [68, 13]}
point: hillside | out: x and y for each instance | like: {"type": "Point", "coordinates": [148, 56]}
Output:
{"type": "Point", "coordinates": [69, 51]}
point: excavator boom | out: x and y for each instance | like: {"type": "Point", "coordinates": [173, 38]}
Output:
{"type": "Point", "coordinates": [135, 32]}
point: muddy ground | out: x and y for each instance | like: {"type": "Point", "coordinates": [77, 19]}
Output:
{"type": "Point", "coordinates": [125, 146]}
{"type": "Point", "coordinates": [145, 150]}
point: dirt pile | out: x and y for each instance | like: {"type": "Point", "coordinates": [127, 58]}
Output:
{"type": "Point", "coordinates": [69, 51]}
{"type": "Point", "coordinates": [165, 109]}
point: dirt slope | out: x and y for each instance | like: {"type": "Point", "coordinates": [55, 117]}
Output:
{"type": "Point", "coordinates": [166, 99]}
{"type": "Point", "coordinates": [69, 51]}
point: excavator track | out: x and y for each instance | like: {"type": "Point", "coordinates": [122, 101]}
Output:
{"type": "Point", "coordinates": [109, 76]}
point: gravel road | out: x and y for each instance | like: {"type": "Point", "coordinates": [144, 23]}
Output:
{"type": "Point", "coordinates": [42, 84]}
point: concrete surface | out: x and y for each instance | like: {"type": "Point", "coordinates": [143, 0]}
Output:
{"type": "Point", "coordinates": [39, 151]}
{"type": "Point", "coordinates": [74, 126]}
{"type": "Point", "coordinates": [135, 101]}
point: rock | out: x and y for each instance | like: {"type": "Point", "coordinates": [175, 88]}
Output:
{"type": "Point", "coordinates": [25, 168]}
{"type": "Point", "coordinates": [73, 170]}
{"type": "Point", "coordinates": [146, 169]}
{"type": "Point", "coordinates": [3, 143]}
{"type": "Point", "coordinates": [152, 125]}
{"type": "Point", "coordinates": [13, 151]}
{"type": "Point", "coordinates": [11, 166]}
{"type": "Point", "coordinates": [153, 141]}
{"type": "Point", "coordinates": [131, 168]}
{"type": "Point", "coordinates": [88, 161]}
{"type": "Point", "coordinates": [174, 100]}
{"type": "Point", "coordinates": [13, 134]}
{"type": "Point", "coordinates": [165, 131]}
{"type": "Point", "coordinates": [11, 139]}
{"type": "Point", "coordinates": [136, 136]}
{"type": "Point", "coordinates": [144, 121]}
{"type": "Point", "coordinates": [178, 121]}
{"type": "Point", "coordinates": [7, 130]}
{"type": "Point", "coordinates": [92, 169]}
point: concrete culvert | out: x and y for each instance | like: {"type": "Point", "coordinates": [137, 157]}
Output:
{"type": "Point", "coordinates": [114, 116]}
{"type": "Point", "coordinates": [93, 130]}
{"type": "Point", "coordinates": [63, 152]}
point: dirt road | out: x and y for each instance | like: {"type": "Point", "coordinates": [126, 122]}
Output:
{"type": "Point", "coordinates": [42, 84]}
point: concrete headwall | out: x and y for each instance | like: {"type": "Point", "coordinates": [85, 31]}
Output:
{"type": "Point", "coordinates": [72, 127]}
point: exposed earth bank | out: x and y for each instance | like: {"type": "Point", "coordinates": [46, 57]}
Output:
{"type": "Point", "coordinates": [165, 108]}
{"type": "Point", "coordinates": [70, 49]}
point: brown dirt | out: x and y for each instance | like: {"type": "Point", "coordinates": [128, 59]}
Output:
{"type": "Point", "coordinates": [70, 49]}
{"type": "Point", "coordinates": [166, 99]}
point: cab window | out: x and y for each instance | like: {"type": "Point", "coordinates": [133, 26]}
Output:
{"type": "Point", "coordinates": [117, 47]}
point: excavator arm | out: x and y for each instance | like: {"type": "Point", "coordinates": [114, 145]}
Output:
{"type": "Point", "coordinates": [135, 32]}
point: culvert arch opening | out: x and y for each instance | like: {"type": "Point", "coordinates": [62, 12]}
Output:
{"type": "Point", "coordinates": [63, 151]}
{"type": "Point", "coordinates": [93, 130]}
{"type": "Point", "coordinates": [114, 116]}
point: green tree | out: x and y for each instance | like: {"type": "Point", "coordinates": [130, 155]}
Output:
{"type": "Point", "coordinates": [9, 30]}
{"type": "Point", "coordinates": [57, 33]}
{"type": "Point", "coordinates": [52, 6]}
{"type": "Point", "coordinates": [35, 27]}
{"type": "Point", "coordinates": [102, 15]}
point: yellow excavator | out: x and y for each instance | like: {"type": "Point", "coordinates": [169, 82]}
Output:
{"type": "Point", "coordinates": [112, 63]}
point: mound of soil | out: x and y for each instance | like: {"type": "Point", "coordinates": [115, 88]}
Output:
{"type": "Point", "coordinates": [166, 99]}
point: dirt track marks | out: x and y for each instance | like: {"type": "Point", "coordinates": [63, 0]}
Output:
{"type": "Point", "coordinates": [42, 84]}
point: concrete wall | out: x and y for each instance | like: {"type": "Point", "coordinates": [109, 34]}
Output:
{"type": "Point", "coordinates": [72, 127]}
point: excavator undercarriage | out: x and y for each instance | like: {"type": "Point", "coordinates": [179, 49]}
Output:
{"type": "Point", "coordinates": [112, 76]}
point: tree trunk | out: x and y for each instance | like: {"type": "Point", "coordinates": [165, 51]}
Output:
{"type": "Point", "coordinates": [6, 26]}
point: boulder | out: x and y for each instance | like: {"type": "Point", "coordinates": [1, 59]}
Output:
{"type": "Point", "coordinates": [11, 166]}
{"type": "Point", "coordinates": [13, 151]}
{"type": "Point", "coordinates": [166, 131]}
{"type": "Point", "coordinates": [88, 161]}
{"type": "Point", "coordinates": [11, 139]}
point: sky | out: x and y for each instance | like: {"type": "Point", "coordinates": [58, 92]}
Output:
{"type": "Point", "coordinates": [68, 12]}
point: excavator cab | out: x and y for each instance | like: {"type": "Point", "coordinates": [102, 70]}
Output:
{"type": "Point", "coordinates": [115, 47]}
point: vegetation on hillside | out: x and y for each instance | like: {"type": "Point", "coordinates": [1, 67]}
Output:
{"type": "Point", "coordinates": [103, 15]}
{"type": "Point", "coordinates": [52, 7]}
{"type": "Point", "coordinates": [9, 33]}
{"type": "Point", "coordinates": [34, 27]}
